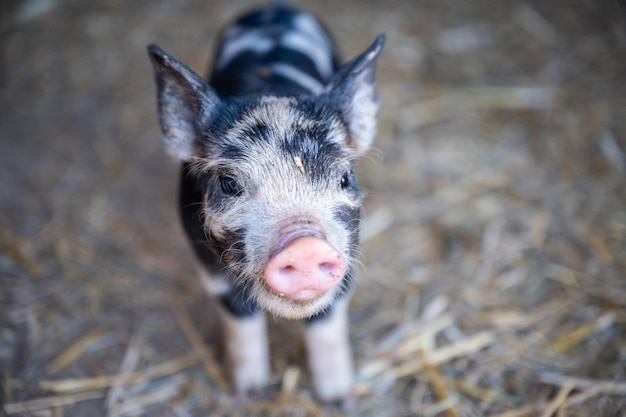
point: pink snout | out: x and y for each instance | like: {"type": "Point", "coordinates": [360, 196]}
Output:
{"type": "Point", "coordinates": [305, 269]}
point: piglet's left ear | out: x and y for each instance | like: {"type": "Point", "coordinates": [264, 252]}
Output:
{"type": "Point", "coordinates": [353, 87]}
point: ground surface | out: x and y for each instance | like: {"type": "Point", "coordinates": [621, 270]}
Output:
{"type": "Point", "coordinates": [495, 236]}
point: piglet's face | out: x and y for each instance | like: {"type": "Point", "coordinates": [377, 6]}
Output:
{"type": "Point", "coordinates": [281, 203]}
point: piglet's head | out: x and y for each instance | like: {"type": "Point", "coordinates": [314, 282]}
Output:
{"type": "Point", "coordinates": [281, 204]}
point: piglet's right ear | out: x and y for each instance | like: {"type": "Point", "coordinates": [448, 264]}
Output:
{"type": "Point", "coordinates": [184, 99]}
{"type": "Point", "coordinates": [353, 88]}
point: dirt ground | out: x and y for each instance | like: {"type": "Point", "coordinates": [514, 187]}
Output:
{"type": "Point", "coordinates": [494, 241]}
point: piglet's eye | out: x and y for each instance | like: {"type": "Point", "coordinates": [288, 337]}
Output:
{"type": "Point", "coordinates": [345, 180]}
{"type": "Point", "coordinates": [229, 186]}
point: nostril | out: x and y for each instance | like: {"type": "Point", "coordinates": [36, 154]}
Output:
{"type": "Point", "coordinates": [287, 270]}
{"type": "Point", "coordinates": [328, 268]}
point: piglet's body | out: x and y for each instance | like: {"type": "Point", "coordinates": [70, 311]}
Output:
{"type": "Point", "coordinates": [268, 198]}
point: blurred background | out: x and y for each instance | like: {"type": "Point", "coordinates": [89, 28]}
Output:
{"type": "Point", "coordinates": [494, 241]}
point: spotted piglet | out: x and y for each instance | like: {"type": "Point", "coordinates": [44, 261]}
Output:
{"type": "Point", "coordinates": [268, 197]}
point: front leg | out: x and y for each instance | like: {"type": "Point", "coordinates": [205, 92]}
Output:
{"type": "Point", "coordinates": [245, 333]}
{"type": "Point", "coordinates": [248, 352]}
{"type": "Point", "coordinates": [330, 358]}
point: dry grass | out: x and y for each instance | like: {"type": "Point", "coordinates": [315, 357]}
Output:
{"type": "Point", "coordinates": [494, 242]}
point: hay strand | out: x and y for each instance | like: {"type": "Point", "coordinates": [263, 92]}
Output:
{"type": "Point", "coordinates": [43, 403]}
{"type": "Point", "coordinates": [558, 403]}
{"type": "Point", "coordinates": [76, 349]}
{"type": "Point", "coordinates": [609, 387]}
{"type": "Point", "coordinates": [75, 385]}
{"type": "Point", "coordinates": [439, 385]}
{"type": "Point", "coordinates": [128, 364]}
{"type": "Point", "coordinates": [445, 354]}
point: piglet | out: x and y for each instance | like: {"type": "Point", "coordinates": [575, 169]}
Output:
{"type": "Point", "coordinates": [268, 196]}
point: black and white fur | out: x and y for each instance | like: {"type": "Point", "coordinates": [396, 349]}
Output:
{"type": "Point", "coordinates": [267, 144]}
